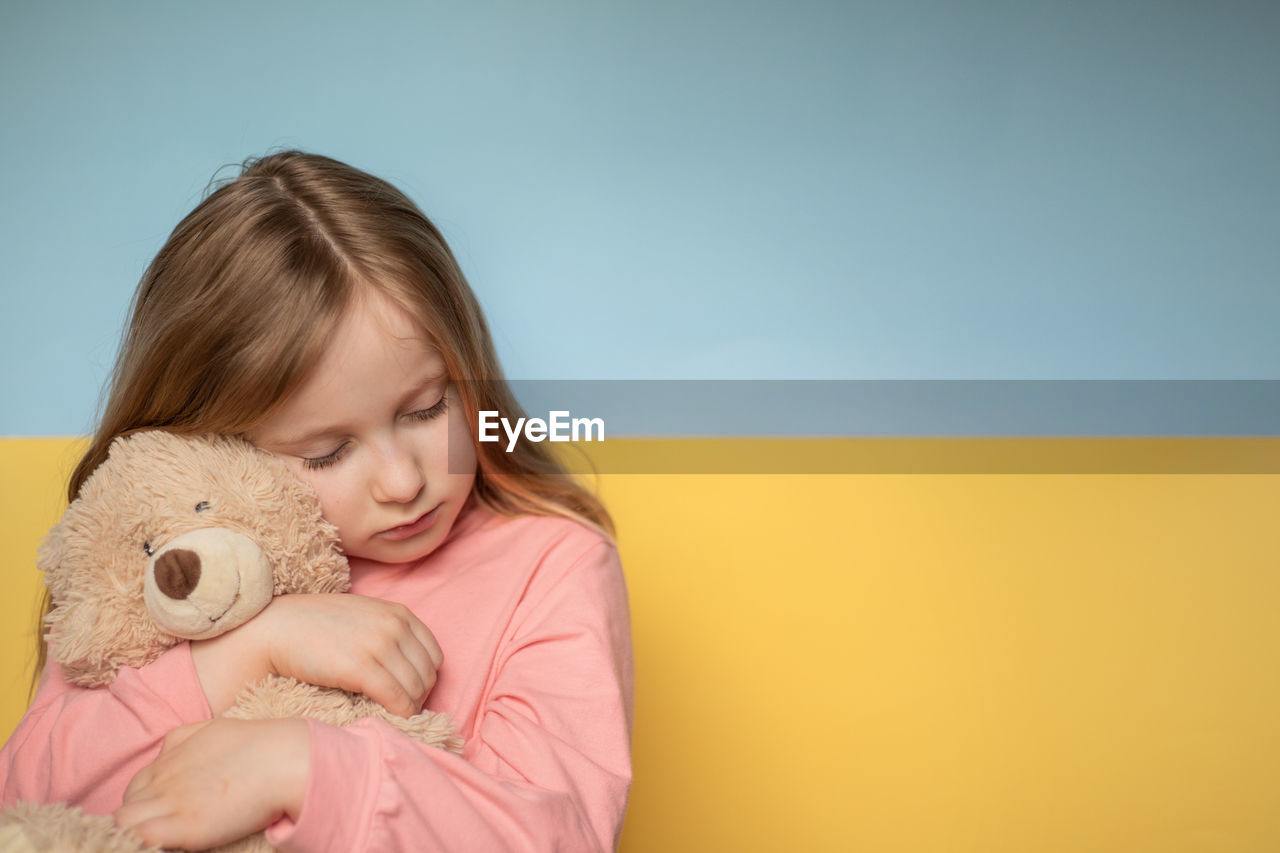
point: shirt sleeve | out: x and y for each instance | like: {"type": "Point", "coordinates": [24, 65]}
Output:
{"type": "Point", "coordinates": [83, 745]}
{"type": "Point", "coordinates": [548, 766]}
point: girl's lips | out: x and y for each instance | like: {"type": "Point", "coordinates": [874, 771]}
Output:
{"type": "Point", "coordinates": [413, 528]}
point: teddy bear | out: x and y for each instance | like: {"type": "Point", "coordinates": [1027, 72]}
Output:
{"type": "Point", "coordinates": [176, 538]}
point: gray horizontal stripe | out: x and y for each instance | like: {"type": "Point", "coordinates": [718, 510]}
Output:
{"type": "Point", "coordinates": [902, 408]}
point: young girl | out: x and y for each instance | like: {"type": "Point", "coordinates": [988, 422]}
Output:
{"type": "Point", "coordinates": [316, 311]}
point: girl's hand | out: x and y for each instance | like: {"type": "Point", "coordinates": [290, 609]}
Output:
{"type": "Point", "coordinates": [217, 781]}
{"type": "Point", "coordinates": [353, 642]}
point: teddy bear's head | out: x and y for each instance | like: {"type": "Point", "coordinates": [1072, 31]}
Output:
{"type": "Point", "coordinates": [174, 538]}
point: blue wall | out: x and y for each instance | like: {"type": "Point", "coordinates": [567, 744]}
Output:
{"type": "Point", "coordinates": [686, 190]}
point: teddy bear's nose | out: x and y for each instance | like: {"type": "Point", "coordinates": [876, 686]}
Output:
{"type": "Point", "coordinates": [178, 572]}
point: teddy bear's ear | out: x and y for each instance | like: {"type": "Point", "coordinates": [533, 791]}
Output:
{"type": "Point", "coordinates": [118, 444]}
{"type": "Point", "coordinates": [93, 627]}
{"type": "Point", "coordinates": [51, 557]}
{"type": "Point", "coordinates": [91, 637]}
{"type": "Point", "coordinates": [97, 619]}
{"type": "Point", "coordinates": [140, 442]}
{"type": "Point", "coordinates": [88, 647]}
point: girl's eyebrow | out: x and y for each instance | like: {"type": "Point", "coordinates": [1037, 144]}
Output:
{"type": "Point", "coordinates": [313, 436]}
{"type": "Point", "coordinates": [431, 378]}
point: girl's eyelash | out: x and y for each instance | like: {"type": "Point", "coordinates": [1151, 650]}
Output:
{"type": "Point", "coordinates": [324, 461]}
{"type": "Point", "coordinates": [321, 462]}
{"type": "Point", "coordinates": [435, 411]}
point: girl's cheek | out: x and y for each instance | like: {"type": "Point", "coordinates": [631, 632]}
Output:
{"type": "Point", "coordinates": [332, 506]}
{"type": "Point", "coordinates": [461, 448]}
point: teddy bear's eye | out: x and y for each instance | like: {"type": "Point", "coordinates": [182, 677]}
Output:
{"type": "Point", "coordinates": [146, 547]}
{"type": "Point", "coordinates": [202, 506]}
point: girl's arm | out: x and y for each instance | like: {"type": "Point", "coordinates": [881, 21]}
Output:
{"type": "Point", "coordinates": [82, 745]}
{"type": "Point", "coordinates": [547, 765]}
{"type": "Point", "coordinates": [218, 781]}
{"type": "Point", "coordinates": [354, 642]}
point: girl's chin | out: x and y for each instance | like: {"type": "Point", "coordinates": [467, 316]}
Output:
{"type": "Point", "coordinates": [397, 553]}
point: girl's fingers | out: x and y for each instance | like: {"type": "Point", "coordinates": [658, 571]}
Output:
{"type": "Point", "coordinates": [424, 666]}
{"type": "Point", "coordinates": [218, 783]}
{"type": "Point", "coordinates": [428, 642]}
{"type": "Point", "coordinates": [411, 659]}
{"type": "Point", "coordinates": [411, 681]}
{"type": "Point", "coordinates": [169, 830]}
{"type": "Point", "coordinates": [401, 680]}
{"type": "Point", "coordinates": [136, 812]}
{"type": "Point", "coordinates": [176, 737]}
{"type": "Point", "coordinates": [387, 689]}
{"type": "Point", "coordinates": [414, 632]}
{"type": "Point", "coordinates": [138, 784]}
{"type": "Point", "coordinates": [365, 645]}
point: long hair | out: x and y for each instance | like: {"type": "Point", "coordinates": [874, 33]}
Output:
{"type": "Point", "coordinates": [234, 311]}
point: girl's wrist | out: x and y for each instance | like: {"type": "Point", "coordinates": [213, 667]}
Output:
{"type": "Point", "coordinates": [228, 663]}
{"type": "Point", "coordinates": [291, 758]}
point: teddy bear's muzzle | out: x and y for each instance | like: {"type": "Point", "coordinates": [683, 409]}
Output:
{"type": "Point", "coordinates": [207, 582]}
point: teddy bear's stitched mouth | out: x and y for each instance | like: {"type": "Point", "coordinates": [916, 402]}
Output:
{"type": "Point", "coordinates": [213, 620]}
{"type": "Point", "coordinates": [235, 597]}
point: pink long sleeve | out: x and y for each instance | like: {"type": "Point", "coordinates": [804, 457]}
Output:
{"type": "Point", "coordinates": [531, 614]}
{"type": "Point", "coordinates": [83, 746]}
{"type": "Point", "coordinates": [542, 695]}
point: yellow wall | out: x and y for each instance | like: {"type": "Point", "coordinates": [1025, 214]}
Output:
{"type": "Point", "coordinates": [916, 662]}
{"type": "Point", "coordinates": [33, 476]}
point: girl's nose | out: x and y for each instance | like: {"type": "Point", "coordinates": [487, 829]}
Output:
{"type": "Point", "coordinates": [399, 477]}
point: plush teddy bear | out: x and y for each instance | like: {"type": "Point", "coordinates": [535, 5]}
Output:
{"type": "Point", "coordinates": [175, 538]}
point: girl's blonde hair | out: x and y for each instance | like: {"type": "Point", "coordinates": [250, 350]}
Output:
{"type": "Point", "coordinates": [235, 309]}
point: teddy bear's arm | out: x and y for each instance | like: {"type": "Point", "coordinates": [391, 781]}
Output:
{"type": "Point", "coordinates": [276, 697]}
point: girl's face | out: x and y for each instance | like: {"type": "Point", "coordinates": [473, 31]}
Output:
{"type": "Point", "coordinates": [370, 431]}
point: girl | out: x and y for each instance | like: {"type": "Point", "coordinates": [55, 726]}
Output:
{"type": "Point", "coordinates": [313, 309]}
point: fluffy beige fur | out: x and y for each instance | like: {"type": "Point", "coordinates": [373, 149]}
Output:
{"type": "Point", "coordinates": [154, 488]}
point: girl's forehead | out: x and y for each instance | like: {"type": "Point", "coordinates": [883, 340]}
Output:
{"type": "Point", "coordinates": [371, 306]}
{"type": "Point", "coordinates": [378, 360]}
{"type": "Point", "coordinates": [373, 321]}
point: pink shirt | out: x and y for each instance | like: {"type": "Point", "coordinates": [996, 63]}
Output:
{"type": "Point", "coordinates": [531, 614]}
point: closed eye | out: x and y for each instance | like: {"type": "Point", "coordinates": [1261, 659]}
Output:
{"type": "Point", "coordinates": [319, 462]}
{"type": "Point", "coordinates": [325, 461]}
{"type": "Point", "coordinates": [433, 412]}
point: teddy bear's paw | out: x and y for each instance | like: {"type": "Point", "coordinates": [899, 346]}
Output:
{"type": "Point", "coordinates": [13, 839]}
{"type": "Point", "coordinates": [56, 828]}
{"type": "Point", "coordinates": [429, 727]}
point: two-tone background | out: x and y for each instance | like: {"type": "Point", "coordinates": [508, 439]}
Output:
{"type": "Point", "coordinates": [940, 336]}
